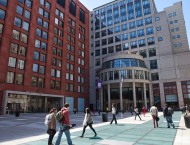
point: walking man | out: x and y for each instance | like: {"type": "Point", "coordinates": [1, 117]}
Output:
{"type": "Point", "coordinates": [64, 124]}
{"type": "Point", "coordinates": [154, 113]}
{"type": "Point", "coordinates": [131, 111]}
{"type": "Point", "coordinates": [99, 110]}
{"type": "Point", "coordinates": [136, 112]}
{"type": "Point", "coordinates": [114, 113]}
{"type": "Point", "coordinates": [168, 114]}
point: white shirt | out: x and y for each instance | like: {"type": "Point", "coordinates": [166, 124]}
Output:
{"type": "Point", "coordinates": [113, 110]}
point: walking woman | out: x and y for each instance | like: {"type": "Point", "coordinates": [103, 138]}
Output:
{"type": "Point", "coordinates": [88, 121]}
{"type": "Point", "coordinates": [144, 111]}
{"type": "Point", "coordinates": [136, 113]}
{"type": "Point", "coordinates": [94, 111]}
{"type": "Point", "coordinates": [52, 126]}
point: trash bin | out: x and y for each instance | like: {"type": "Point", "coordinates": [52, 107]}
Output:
{"type": "Point", "coordinates": [187, 121]}
{"type": "Point", "coordinates": [104, 117]}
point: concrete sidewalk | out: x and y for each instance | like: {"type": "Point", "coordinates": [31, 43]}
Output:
{"type": "Point", "coordinates": [127, 132]}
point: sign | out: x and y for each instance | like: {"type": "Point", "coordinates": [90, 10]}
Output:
{"type": "Point", "coordinates": [99, 86]}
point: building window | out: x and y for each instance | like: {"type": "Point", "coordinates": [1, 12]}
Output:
{"type": "Point", "coordinates": [82, 16]}
{"type": "Point", "coordinates": [71, 77]}
{"type": "Point", "coordinates": [35, 68]}
{"type": "Point", "coordinates": [3, 2]}
{"type": "Point", "coordinates": [58, 85]}
{"type": "Point", "coordinates": [136, 74]}
{"type": "Point", "coordinates": [118, 47]}
{"type": "Point", "coordinates": [174, 14]}
{"type": "Point", "coordinates": [37, 43]}
{"type": "Point", "coordinates": [29, 3]}
{"type": "Point", "coordinates": [61, 15]}
{"type": "Point", "coordinates": [118, 38]}
{"type": "Point", "coordinates": [45, 35]}
{"type": "Point", "coordinates": [154, 76]}
{"type": "Point", "coordinates": [125, 46]}
{"type": "Point", "coordinates": [36, 55]}
{"type": "Point", "coordinates": [10, 77]}
{"type": "Point", "coordinates": [151, 41]}
{"type": "Point", "coordinates": [61, 24]}
{"type": "Point", "coordinates": [21, 64]}
{"type": "Point", "coordinates": [42, 69]}
{"type": "Point", "coordinates": [67, 87]}
{"type": "Point", "coordinates": [71, 87]}
{"type": "Point", "coordinates": [171, 22]}
{"type": "Point", "coordinates": [175, 45]}
{"type": "Point", "coordinates": [60, 43]}
{"type": "Point", "coordinates": [78, 89]}
{"type": "Point", "coordinates": [178, 36]}
{"type": "Point", "coordinates": [158, 28]}
{"type": "Point", "coordinates": [24, 38]}
{"type": "Point", "coordinates": [43, 57]}
{"type": "Point", "coordinates": [140, 23]}
{"type": "Point", "coordinates": [160, 39]}
{"type": "Point", "coordinates": [103, 33]}
{"type": "Point", "coordinates": [41, 82]}
{"type": "Point", "coordinates": [53, 61]}
{"type": "Point", "coordinates": [173, 37]}
{"type": "Point", "coordinates": [116, 75]}
{"type": "Point", "coordinates": [149, 30]}
{"type": "Point", "coordinates": [19, 10]}
{"type": "Point", "coordinates": [110, 31]}
{"type": "Point", "coordinates": [72, 8]}
{"type": "Point", "coordinates": [52, 84]}
{"type": "Point", "coordinates": [148, 20]}
{"type": "Point", "coordinates": [44, 46]}
{"type": "Point", "coordinates": [12, 62]}
{"type": "Point", "coordinates": [55, 40]}
{"type": "Point", "coordinates": [18, 22]}
{"type": "Point", "coordinates": [39, 21]}
{"type": "Point", "coordinates": [175, 21]}
{"type": "Point", "coordinates": [143, 53]}
{"type": "Point", "coordinates": [97, 62]}
{"type": "Point", "coordinates": [14, 48]}
{"type": "Point", "coordinates": [48, 5]}
{"type": "Point", "coordinates": [176, 29]}
{"type": "Point", "coordinates": [57, 12]}
{"type": "Point", "coordinates": [41, 11]}
{"type": "Point", "coordinates": [172, 30]}
{"type": "Point", "coordinates": [153, 64]}
{"type": "Point", "coordinates": [22, 51]}
{"type": "Point", "coordinates": [34, 81]}
{"type": "Point", "coordinates": [38, 32]}
{"type": "Point", "coordinates": [133, 44]}
{"type": "Point", "coordinates": [46, 15]}
{"type": "Point", "coordinates": [170, 15]}
{"type": "Point", "coordinates": [117, 29]}
{"type": "Point", "coordinates": [140, 32]}
{"type": "Point", "coordinates": [104, 51]}
{"type": "Point", "coordinates": [152, 52]}
{"type": "Point", "coordinates": [67, 76]}
{"type": "Point", "coordinates": [124, 27]}
{"type": "Point", "coordinates": [111, 49]}
{"type": "Point", "coordinates": [179, 44]}
{"type": "Point", "coordinates": [58, 74]}
{"type": "Point", "coordinates": [133, 35]}
{"type": "Point", "coordinates": [142, 43]}
{"type": "Point", "coordinates": [157, 18]}
{"type": "Point", "coordinates": [97, 43]}
{"type": "Point", "coordinates": [16, 34]}
{"type": "Point", "coordinates": [53, 72]}
{"type": "Point", "coordinates": [46, 24]}
{"type": "Point", "coordinates": [19, 79]}
{"type": "Point", "coordinates": [125, 36]}
{"type": "Point", "coordinates": [72, 67]}
{"type": "Point", "coordinates": [22, 1]}
{"type": "Point", "coordinates": [132, 25]}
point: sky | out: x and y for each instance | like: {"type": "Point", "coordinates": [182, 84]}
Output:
{"type": "Point", "coordinates": [160, 4]}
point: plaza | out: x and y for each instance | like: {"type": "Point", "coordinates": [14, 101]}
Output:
{"type": "Point", "coordinates": [30, 130]}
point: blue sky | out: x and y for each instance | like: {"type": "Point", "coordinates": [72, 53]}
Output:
{"type": "Point", "coordinates": [160, 4]}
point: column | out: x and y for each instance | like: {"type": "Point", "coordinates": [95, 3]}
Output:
{"type": "Point", "coordinates": [145, 97]}
{"type": "Point", "coordinates": [101, 99]}
{"type": "Point", "coordinates": [134, 95]}
{"type": "Point", "coordinates": [109, 106]}
{"type": "Point", "coordinates": [151, 95]}
{"type": "Point", "coordinates": [121, 98]}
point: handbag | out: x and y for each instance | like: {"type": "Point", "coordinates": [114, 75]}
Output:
{"type": "Point", "coordinates": [51, 131]}
{"type": "Point", "coordinates": [157, 118]}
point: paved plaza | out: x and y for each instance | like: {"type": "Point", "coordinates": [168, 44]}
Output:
{"type": "Point", "coordinates": [29, 129]}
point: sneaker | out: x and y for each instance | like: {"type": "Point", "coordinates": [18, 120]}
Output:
{"type": "Point", "coordinates": [173, 126]}
{"type": "Point", "coordinates": [168, 127]}
{"type": "Point", "coordinates": [81, 136]}
{"type": "Point", "coordinates": [95, 135]}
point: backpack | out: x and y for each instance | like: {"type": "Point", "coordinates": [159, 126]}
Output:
{"type": "Point", "coordinates": [47, 119]}
{"type": "Point", "coordinates": [59, 116]}
{"type": "Point", "coordinates": [169, 112]}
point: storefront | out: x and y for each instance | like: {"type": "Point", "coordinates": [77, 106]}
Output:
{"type": "Point", "coordinates": [30, 102]}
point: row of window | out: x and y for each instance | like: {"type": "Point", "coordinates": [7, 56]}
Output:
{"type": "Point", "coordinates": [16, 35]}
{"type": "Point", "coordinates": [174, 14]}
{"type": "Point", "coordinates": [150, 41]}
{"type": "Point", "coordinates": [18, 23]}
{"type": "Point", "coordinates": [175, 21]}
{"type": "Point", "coordinates": [19, 10]}
{"type": "Point", "coordinates": [14, 49]}
{"type": "Point", "coordinates": [70, 87]}
{"type": "Point", "coordinates": [124, 27]}
{"type": "Point", "coordinates": [180, 44]}
{"type": "Point", "coordinates": [12, 63]}
{"type": "Point", "coordinates": [53, 73]}
{"type": "Point", "coordinates": [172, 30]}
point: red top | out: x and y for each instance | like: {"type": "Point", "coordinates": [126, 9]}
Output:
{"type": "Point", "coordinates": [66, 115]}
{"type": "Point", "coordinates": [144, 111]}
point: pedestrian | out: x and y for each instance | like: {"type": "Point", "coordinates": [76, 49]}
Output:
{"type": "Point", "coordinates": [107, 110]}
{"type": "Point", "coordinates": [131, 111]}
{"type": "Point", "coordinates": [52, 125]}
{"type": "Point", "coordinates": [154, 113]}
{"type": "Point", "coordinates": [88, 121]}
{"type": "Point", "coordinates": [99, 111]}
{"type": "Point", "coordinates": [181, 108]}
{"type": "Point", "coordinates": [137, 113]}
{"type": "Point", "coordinates": [168, 114]}
{"type": "Point", "coordinates": [75, 110]}
{"type": "Point", "coordinates": [144, 111]}
{"type": "Point", "coordinates": [94, 111]}
{"type": "Point", "coordinates": [114, 113]}
{"type": "Point", "coordinates": [65, 123]}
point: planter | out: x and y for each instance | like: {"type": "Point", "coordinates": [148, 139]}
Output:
{"type": "Point", "coordinates": [187, 121]}
{"type": "Point", "coordinates": [104, 117]}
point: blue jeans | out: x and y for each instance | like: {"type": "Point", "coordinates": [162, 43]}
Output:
{"type": "Point", "coordinates": [67, 133]}
{"type": "Point", "coordinates": [169, 120]}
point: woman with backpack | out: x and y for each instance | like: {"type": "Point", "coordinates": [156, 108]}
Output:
{"type": "Point", "coordinates": [88, 121]}
{"type": "Point", "coordinates": [52, 125]}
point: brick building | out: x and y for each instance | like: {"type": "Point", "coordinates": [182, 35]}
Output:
{"type": "Point", "coordinates": [44, 55]}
